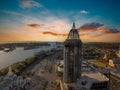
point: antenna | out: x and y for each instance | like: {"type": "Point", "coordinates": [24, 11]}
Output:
{"type": "Point", "coordinates": [73, 25]}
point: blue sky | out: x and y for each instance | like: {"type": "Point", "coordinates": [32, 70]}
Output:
{"type": "Point", "coordinates": [43, 15]}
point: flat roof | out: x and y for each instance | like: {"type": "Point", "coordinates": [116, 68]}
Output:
{"type": "Point", "coordinates": [95, 76]}
{"type": "Point", "coordinates": [89, 79]}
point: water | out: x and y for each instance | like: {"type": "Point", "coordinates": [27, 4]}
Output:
{"type": "Point", "coordinates": [8, 58]}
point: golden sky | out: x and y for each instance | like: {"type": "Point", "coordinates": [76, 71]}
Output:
{"type": "Point", "coordinates": [42, 20]}
{"type": "Point", "coordinates": [58, 31]}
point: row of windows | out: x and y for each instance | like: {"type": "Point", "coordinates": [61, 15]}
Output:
{"type": "Point", "coordinates": [98, 85]}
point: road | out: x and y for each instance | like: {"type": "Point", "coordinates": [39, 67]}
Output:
{"type": "Point", "coordinates": [44, 71]}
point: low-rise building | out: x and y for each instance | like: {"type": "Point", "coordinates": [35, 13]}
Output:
{"type": "Point", "coordinates": [118, 53]}
{"type": "Point", "coordinates": [89, 81]}
{"type": "Point", "coordinates": [115, 63]}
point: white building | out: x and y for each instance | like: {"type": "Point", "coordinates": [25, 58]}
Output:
{"type": "Point", "coordinates": [115, 63]}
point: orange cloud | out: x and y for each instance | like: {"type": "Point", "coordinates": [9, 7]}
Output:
{"type": "Point", "coordinates": [90, 27]}
{"type": "Point", "coordinates": [102, 29]}
{"type": "Point", "coordinates": [90, 35]}
{"type": "Point", "coordinates": [112, 31]}
{"type": "Point", "coordinates": [54, 34]}
{"type": "Point", "coordinates": [34, 25]}
{"type": "Point", "coordinates": [97, 30]}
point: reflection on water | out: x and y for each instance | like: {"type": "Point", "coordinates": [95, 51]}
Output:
{"type": "Point", "coordinates": [19, 54]}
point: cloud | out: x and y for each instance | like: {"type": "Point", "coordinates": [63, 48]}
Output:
{"type": "Point", "coordinates": [54, 34]}
{"type": "Point", "coordinates": [90, 35]}
{"type": "Point", "coordinates": [96, 35]}
{"type": "Point", "coordinates": [97, 28]}
{"type": "Point", "coordinates": [34, 25]}
{"type": "Point", "coordinates": [29, 3]}
{"type": "Point", "coordinates": [13, 13]}
{"type": "Point", "coordinates": [90, 26]}
{"type": "Point", "coordinates": [84, 12]}
{"type": "Point", "coordinates": [45, 26]}
{"type": "Point", "coordinates": [92, 32]}
{"type": "Point", "coordinates": [112, 31]}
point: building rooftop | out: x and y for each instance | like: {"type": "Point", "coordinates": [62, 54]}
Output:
{"type": "Point", "coordinates": [87, 80]}
{"type": "Point", "coordinates": [96, 76]}
{"type": "Point", "coordinates": [116, 60]}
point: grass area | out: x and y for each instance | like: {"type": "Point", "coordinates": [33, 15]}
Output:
{"type": "Point", "coordinates": [98, 64]}
{"type": "Point", "coordinates": [17, 67]}
{"type": "Point", "coordinates": [30, 60]}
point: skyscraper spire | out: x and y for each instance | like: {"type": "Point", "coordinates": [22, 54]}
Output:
{"type": "Point", "coordinates": [72, 57]}
{"type": "Point", "coordinates": [73, 34]}
{"type": "Point", "coordinates": [73, 25]}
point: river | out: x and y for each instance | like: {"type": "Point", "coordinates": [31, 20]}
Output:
{"type": "Point", "coordinates": [19, 54]}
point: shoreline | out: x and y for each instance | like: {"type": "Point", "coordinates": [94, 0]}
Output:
{"type": "Point", "coordinates": [21, 67]}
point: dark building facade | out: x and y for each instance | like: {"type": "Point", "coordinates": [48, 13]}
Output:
{"type": "Point", "coordinates": [72, 56]}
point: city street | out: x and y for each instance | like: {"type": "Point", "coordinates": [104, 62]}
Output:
{"type": "Point", "coordinates": [44, 72]}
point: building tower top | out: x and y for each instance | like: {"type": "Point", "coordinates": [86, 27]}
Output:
{"type": "Point", "coordinates": [73, 34]}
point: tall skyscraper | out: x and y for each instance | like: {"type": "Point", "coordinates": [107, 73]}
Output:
{"type": "Point", "coordinates": [72, 56]}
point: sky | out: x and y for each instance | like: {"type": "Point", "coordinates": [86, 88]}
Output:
{"type": "Point", "coordinates": [51, 20]}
